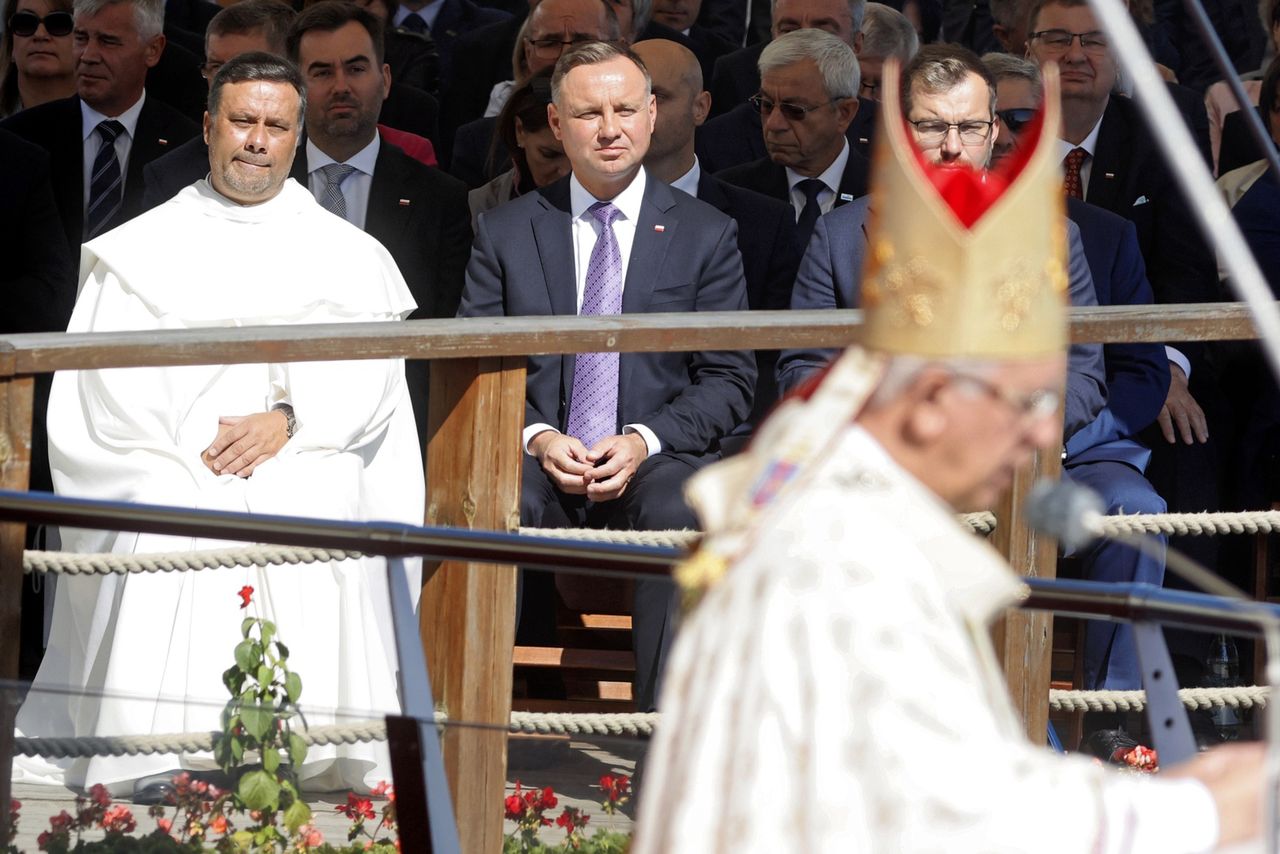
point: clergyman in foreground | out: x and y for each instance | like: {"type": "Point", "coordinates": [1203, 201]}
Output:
{"type": "Point", "coordinates": [836, 688]}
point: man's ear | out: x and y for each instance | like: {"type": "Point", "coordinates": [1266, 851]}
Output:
{"type": "Point", "coordinates": [1001, 32]}
{"type": "Point", "coordinates": [701, 108]}
{"type": "Point", "coordinates": [846, 109]}
{"type": "Point", "coordinates": [553, 121]}
{"type": "Point", "coordinates": [386, 81]}
{"type": "Point", "coordinates": [155, 47]}
{"type": "Point", "coordinates": [926, 417]}
{"type": "Point", "coordinates": [208, 123]}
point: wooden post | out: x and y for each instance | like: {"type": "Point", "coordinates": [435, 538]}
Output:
{"type": "Point", "coordinates": [15, 474]}
{"type": "Point", "coordinates": [468, 610]}
{"type": "Point", "coordinates": [1024, 639]}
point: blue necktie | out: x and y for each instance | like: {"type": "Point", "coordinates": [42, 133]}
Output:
{"type": "Point", "coordinates": [106, 184]}
{"type": "Point", "coordinates": [593, 406]}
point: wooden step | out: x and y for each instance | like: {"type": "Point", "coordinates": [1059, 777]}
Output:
{"type": "Point", "coordinates": [577, 659]}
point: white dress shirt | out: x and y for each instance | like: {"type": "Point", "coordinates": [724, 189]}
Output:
{"type": "Point", "coordinates": [688, 182]}
{"type": "Point", "coordinates": [355, 187]}
{"type": "Point", "coordinates": [89, 121]}
{"type": "Point", "coordinates": [586, 229]}
{"type": "Point", "coordinates": [1089, 144]}
{"type": "Point", "coordinates": [831, 177]}
{"type": "Point", "coordinates": [428, 13]}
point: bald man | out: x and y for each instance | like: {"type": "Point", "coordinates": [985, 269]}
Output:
{"type": "Point", "coordinates": [770, 256]}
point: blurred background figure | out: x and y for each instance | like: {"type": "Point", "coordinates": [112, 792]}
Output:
{"type": "Point", "coordinates": [36, 65]}
{"type": "Point", "coordinates": [535, 156]}
{"type": "Point", "coordinates": [886, 32]}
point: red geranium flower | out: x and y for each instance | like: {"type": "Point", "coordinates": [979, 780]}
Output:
{"type": "Point", "coordinates": [246, 594]}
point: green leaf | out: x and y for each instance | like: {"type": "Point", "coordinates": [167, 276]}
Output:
{"type": "Point", "coordinates": [248, 656]}
{"type": "Point", "coordinates": [283, 650]}
{"type": "Point", "coordinates": [270, 759]}
{"type": "Point", "coordinates": [237, 750]}
{"type": "Point", "coordinates": [297, 750]}
{"type": "Point", "coordinates": [297, 815]}
{"type": "Point", "coordinates": [268, 632]}
{"type": "Point", "coordinates": [246, 625]}
{"type": "Point", "coordinates": [293, 687]}
{"type": "Point", "coordinates": [256, 720]}
{"type": "Point", "coordinates": [265, 674]}
{"type": "Point", "coordinates": [259, 790]}
{"type": "Point", "coordinates": [222, 750]}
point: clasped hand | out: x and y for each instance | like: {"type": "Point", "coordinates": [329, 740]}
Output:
{"type": "Point", "coordinates": [601, 473]}
{"type": "Point", "coordinates": [245, 442]}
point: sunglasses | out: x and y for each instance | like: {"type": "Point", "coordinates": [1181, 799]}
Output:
{"type": "Point", "coordinates": [25, 24]}
{"type": "Point", "coordinates": [792, 112]}
{"type": "Point", "coordinates": [1016, 119]}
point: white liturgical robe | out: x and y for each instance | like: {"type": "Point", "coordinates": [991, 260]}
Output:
{"type": "Point", "coordinates": [836, 691]}
{"type": "Point", "coordinates": [144, 653]}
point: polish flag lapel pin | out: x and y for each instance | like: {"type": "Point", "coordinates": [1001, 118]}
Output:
{"type": "Point", "coordinates": [404, 203]}
{"type": "Point", "coordinates": [659, 229]}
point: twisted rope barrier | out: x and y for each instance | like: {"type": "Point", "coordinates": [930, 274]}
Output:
{"type": "Point", "coordinates": [1245, 697]}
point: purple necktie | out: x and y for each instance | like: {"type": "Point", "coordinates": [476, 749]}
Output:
{"type": "Point", "coordinates": [593, 406]}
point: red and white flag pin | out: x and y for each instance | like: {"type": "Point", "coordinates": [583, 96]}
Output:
{"type": "Point", "coordinates": [659, 228]}
{"type": "Point", "coordinates": [404, 203]}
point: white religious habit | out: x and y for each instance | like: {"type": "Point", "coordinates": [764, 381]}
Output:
{"type": "Point", "coordinates": [144, 653]}
{"type": "Point", "coordinates": [836, 689]}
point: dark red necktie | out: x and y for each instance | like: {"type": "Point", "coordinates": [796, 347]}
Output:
{"type": "Point", "coordinates": [1071, 165]}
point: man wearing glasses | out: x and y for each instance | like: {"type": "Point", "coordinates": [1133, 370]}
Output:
{"type": "Point", "coordinates": [948, 99]}
{"type": "Point", "coordinates": [808, 96]}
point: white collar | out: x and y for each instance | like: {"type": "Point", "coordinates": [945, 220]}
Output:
{"type": "Point", "coordinates": [363, 160]}
{"type": "Point", "coordinates": [831, 175]}
{"type": "Point", "coordinates": [1089, 143]}
{"type": "Point", "coordinates": [688, 182]}
{"type": "Point", "coordinates": [91, 118]}
{"type": "Point", "coordinates": [627, 202]}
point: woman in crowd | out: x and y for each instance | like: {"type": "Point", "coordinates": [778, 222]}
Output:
{"type": "Point", "coordinates": [35, 57]}
{"type": "Point", "coordinates": [537, 157]}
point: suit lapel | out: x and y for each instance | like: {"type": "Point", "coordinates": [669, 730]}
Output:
{"type": "Point", "coordinates": [387, 215]}
{"type": "Point", "coordinates": [709, 191]}
{"type": "Point", "coordinates": [1106, 172]}
{"type": "Point", "coordinates": [553, 236]}
{"type": "Point", "coordinates": [150, 140]}
{"type": "Point", "coordinates": [655, 230]}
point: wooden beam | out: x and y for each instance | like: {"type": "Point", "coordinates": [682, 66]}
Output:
{"type": "Point", "coordinates": [1024, 639]}
{"type": "Point", "coordinates": [15, 474]}
{"type": "Point", "coordinates": [510, 336]}
{"type": "Point", "coordinates": [476, 413]}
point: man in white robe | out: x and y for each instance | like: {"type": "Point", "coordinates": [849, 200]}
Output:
{"type": "Point", "coordinates": [246, 247]}
{"type": "Point", "coordinates": [836, 690]}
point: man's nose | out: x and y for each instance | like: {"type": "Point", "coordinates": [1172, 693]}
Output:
{"type": "Point", "coordinates": [609, 127]}
{"type": "Point", "coordinates": [1075, 51]}
{"type": "Point", "coordinates": [951, 144]}
{"type": "Point", "coordinates": [256, 138]}
{"type": "Point", "coordinates": [775, 121]}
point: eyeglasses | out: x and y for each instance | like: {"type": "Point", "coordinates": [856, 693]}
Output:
{"type": "Point", "coordinates": [933, 131]}
{"type": "Point", "coordinates": [551, 48]}
{"type": "Point", "coordinates": [1059, 41]}
{"type": "Point", "coordinates": [1017, 118]}
{"type": "Point", "coordinates": [1033, 406]}
{"type": "Point", "coordinates": [791, 112]}
{"type": "Point", "coordinates": [55, 23]}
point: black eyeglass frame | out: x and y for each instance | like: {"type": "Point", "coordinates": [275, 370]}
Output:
{"type": "Point", "coordinates": [1093, 45]}
{"type": "Point", "coordinates": [1016, 118]}
{"type": "Point", "coordinates": [937, 139]}
{"type": "Point", "coordinates": [16, 19]}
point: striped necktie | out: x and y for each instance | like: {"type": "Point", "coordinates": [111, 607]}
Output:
{"type": "Point", "coordinates": [331, 198]}
{"type": "Point", "coordinates": [106, 185]}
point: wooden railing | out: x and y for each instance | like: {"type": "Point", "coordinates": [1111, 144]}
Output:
{"type": "Point", "coordinates": [473, 472]}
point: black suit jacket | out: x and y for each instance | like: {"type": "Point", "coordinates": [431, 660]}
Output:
{"type": "Point", "coordinates": [737, 137]}
{"type": "Point", "coordinates": [735, 79]}
{"type": "Point", "coordinates": [455, 18]}
{"type": "Point", "coordinates": [765, 176]}
{"type": "Point", "coordinates": [412, 110]}
{"type": "Point", "coordinates": [685, 258]}
{"type": "Point", "coordinates": [1129, 177]}
{"type": "Point", "coordinates": [481, 58]}
{"type": "Point", "coordinates": [56, 128]}
{"type": "Point", "coordinates": [770, 258]}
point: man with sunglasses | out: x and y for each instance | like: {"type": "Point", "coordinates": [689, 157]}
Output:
{"type": "Point", "coordinates": [99, 140]}
{"type": "Point", "coordinates": [808, 97]}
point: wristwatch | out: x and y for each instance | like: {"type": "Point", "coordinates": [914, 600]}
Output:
{"type": "Point", "coordinates": [290, 422]}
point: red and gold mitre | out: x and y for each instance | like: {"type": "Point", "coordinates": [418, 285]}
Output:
{"type": "Point", "coordinates": [962, 263]}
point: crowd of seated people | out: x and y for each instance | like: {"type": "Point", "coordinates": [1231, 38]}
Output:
{"type": "Point", "coordinates": [437, 127]}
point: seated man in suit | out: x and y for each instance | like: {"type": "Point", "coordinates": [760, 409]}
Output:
{"type": "Point", "coordinates": [1105, 454]}
{"type": "Point", "coordinates": [765, 226]}
{"type": "Point", "coordinates": [732, 135]}
{"type": "Point", "coordinates": [808, 96]}
{"type": "Point", "coordinates": [610, 439]}
{"type": "Point", "coordinates": [418, 213]}
{"type": "Point", "coordinates": [99, 140]}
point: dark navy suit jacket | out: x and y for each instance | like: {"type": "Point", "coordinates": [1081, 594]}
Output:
{"type": "Point", "coordinates": [685, 258]}
{"type": "Point", "coordinates": [736, 137]}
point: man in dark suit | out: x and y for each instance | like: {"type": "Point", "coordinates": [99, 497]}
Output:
{"type": "Point", "coordinates": [808, 97]}
{"type": "Point", "coordinates": [99, 140]}
{"type": "Point", "coordinates": [611, 438]}
{"type": "Point", "coordinates": [737, 75]}
{"type": "Point", "coordinates": [766, 226]}
{"type": "Point", "coordinates": [1111, 160]}
{"type": "Point", "coordinates": [418, 213]}
{"type": "Point", "coordinates": [445, 20]}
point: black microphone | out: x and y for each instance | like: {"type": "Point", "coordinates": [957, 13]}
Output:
{"type": "Point", "coordinates": [1070, 513]}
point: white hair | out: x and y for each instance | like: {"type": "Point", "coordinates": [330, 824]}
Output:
{"type": "Point", "coordinates": [835, 60]}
